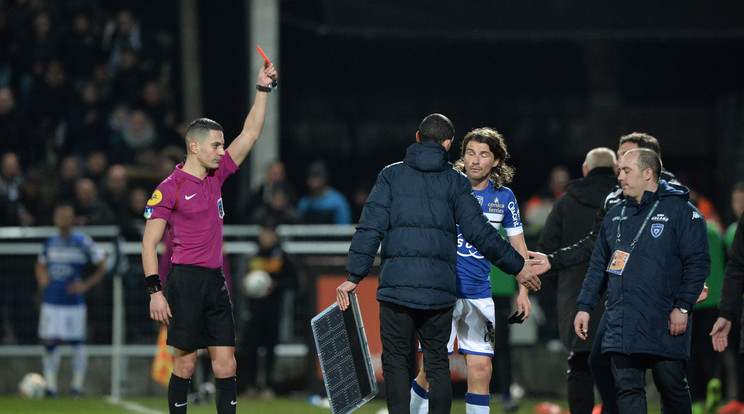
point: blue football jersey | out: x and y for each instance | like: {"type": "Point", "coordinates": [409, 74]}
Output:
{"type": "Point", "coordinates": [65, 260]}
{"type": "Point", "coordinates": [500, 206]}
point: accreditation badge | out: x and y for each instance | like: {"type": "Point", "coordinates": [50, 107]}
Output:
{"type": "Point", "coordinates": [617, 262]}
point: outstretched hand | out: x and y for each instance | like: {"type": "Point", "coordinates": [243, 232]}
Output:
{"type": "Point", "coordinates": [542, 267]}
{"type": "Point", "coordinates": [720, 333]}
{"type": "Point", "coordinates": [527, 276]}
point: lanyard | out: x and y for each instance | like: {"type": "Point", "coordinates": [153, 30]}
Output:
{"type": "Point", "coordinates": [643, 226]}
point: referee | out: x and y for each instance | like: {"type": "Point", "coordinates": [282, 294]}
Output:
{"type": "Point", "coordinates": [196, 306]}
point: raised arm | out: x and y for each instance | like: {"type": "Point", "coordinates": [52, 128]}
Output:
{"type": "Point", "coordinates": [254, 122]}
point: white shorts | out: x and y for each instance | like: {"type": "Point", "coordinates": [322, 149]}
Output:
{"type": "Point", "coordinates": [62, 322]}
{"type": "Point", "coordinates": [473, 326]}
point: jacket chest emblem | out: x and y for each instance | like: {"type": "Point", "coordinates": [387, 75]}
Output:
{"type": "Point", "coordinates": [480, 199]}
{"type": "Point", "coordinates": [657, 229]}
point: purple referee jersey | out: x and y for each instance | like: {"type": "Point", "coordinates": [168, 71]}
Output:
{"type": "Point", "coordinates": [193, 209]}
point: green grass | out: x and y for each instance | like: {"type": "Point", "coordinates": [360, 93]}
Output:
{"type": "Point", "coordinates": [13, 405]}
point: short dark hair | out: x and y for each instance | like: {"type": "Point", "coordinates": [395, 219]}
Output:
{"type": "Point", "coordinates": [647, 158]}
{"type": "Point", "coordinates": [436, 128]}
{"type": "Point", "coordinates": [502, 173]}
{"type": "Point", "coordinates": [643, 140]}
{"type": "Point", "coordinates": [199, 128]}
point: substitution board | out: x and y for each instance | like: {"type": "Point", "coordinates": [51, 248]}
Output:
{"type": "Point", "coordinates": [344, 357]}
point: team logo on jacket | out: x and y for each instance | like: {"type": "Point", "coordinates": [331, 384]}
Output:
{"type": "Point", "coordinates": [657, 229]}
{"type": "Point", "coordinates": [480, 199]}
{"type": "Point", "coordinates": [220, 208]}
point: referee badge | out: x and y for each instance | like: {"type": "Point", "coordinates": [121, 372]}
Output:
{"type": "Point", "coordinates": [220, 208]}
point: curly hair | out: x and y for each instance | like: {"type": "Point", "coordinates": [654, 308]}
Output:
{"type": "Point", "coordinates": [502, 173]}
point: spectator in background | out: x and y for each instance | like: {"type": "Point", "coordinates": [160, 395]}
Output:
{"type": "Point", "coordinates": [276, 177]}
{"type": "Point", "coordinates": [134, 138]}
{"type": "Point", "coordinates": [116, 191]}
{"type": "Point", "coordinates": [161, 111]}
{"type": "Point", "coordinates": [33, 207]}
{"type": "Point", "coordinates": [121, 34]}
{"type": "Point", "coordinates": [96, 167]}
{"type": "Point", "coordinates": [323, 204]}
{"type": "Point", "coordinates": [49, 104]}
{"type": "Point", "coordinates": [279, 208]}
{"type": "Point", "coordinates": [11, 176]}
{"type": "Point", "coordinates": [264, 311]}
{"type": "Point", "coordinates": [60, 272]}
{"type": "Point", "coordinates": [91, 210]}
{"type": "Point", "coordinates": [38, 43]}
{"type": "Point", "coordinates": [571, 218]}
{"type": "Point", "coordinates": [70, 170]}
{"type": "Point", "coordinates": [127, 80]}
{"type": "Point", "coordinates": [87, 121]}
{"type": "Point", "coordinates": [82, 46]}
{"type": "Point", "coordinates": [539, 205]}
{"type": "Point", "coordinates": [737, 207]}
{"type": "Point", "coordinates": [10, 130]}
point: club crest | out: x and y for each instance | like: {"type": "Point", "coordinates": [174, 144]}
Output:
{"type": "Point", "coordinates": [657, 229]}
{"type": "Point", "coordinates": [480, 199]}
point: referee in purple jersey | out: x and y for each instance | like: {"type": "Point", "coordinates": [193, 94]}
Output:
{"type": "Point", "coordinates": [195, 304]}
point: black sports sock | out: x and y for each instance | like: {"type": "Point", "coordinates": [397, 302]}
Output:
{"type": "Point", "coordinates": [226, 395]}
{"type": "Point", "coordinates": [178, 390]}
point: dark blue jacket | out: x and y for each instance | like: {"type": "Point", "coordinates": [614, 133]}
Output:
{"type": "Point", "coordinates": [413, 209]}
{"type": "Point", "coordinates": [666, 270]}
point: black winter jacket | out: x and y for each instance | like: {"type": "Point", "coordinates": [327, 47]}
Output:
{"type": "Point", "coordinates": [413, 209]}
{"type": "Point", "coordinates": [570, 220]}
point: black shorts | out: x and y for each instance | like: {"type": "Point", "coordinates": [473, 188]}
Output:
{"type": "Point", "coordinates": [201, 308]}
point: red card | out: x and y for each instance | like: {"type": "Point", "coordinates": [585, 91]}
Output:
{"type": "Point", "coordinates": [268, 62]}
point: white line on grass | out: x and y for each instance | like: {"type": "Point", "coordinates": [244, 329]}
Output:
{"type": "Point", "coordinates": [133, 406]}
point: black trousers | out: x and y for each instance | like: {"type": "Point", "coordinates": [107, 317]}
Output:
{"type": "Point", "coordinates": [580, 384]}
{"type": "Point", "coordinates": [398, 327]}
{"type": "Point", "coordinates": [629, 372]}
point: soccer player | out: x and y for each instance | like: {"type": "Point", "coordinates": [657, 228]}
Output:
{"type": "Point", "coordinates": [483, 159]}
{"type": "Point", "coordinates": [196, 306]}
{"type": "Point", "coordinates": [60, 273]}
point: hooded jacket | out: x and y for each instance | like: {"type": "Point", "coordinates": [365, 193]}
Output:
{"type": "Point", "coordinates": [570, 220]}
{"type": "Point", "coordinates": [665, 270]}
{"type": "Point", "coordinates": [413, 209]}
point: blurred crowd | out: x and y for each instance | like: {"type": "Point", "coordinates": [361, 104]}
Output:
{"type": "Point", "coordinates": [86, 105]}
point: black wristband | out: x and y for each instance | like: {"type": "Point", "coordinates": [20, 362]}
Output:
{"type": "Point", "coordinates": [152, 283]}
{"type": "Point", "coordinates": [262, 88]}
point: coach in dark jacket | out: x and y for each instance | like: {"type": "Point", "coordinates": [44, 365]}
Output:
{"type": "Point", "coordinates": [652, 253]}
{"type": "Point", "coordinates": [413, 210]}
{"type": "Point", "coordinates": [571, 218]}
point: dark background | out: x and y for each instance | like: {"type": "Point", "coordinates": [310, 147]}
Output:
{"type": "Point", "coordinates": [556, 78]}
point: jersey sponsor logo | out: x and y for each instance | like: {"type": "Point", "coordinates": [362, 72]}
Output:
{"type": "Point", "coordinates": [155, 199]}
{"type": "Point", "coordinates": [189, 197]}
{"type": "Point", "coordinates": [514, 211]}
{"type": "Point", "coordinates": [220, 208]}
{"type": "Point", "coordinates": [148, 212]}
{"type": "Point", "coordinates": [660, 217]}
{"type": "Point", "coordinates": [469, 250]}
{"type": "Point", "coordinates": [618, 218]}
{"type": "Point", "coordinates": [696, 215]}
{"type": "Point", "coordinates": [657, 229]}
